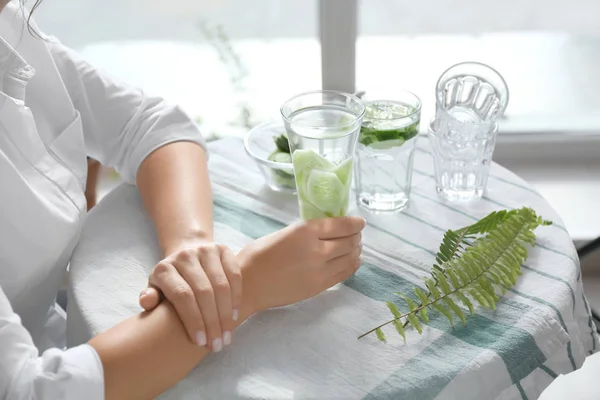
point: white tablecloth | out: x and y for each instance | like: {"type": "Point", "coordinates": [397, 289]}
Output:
{"type": "Point", "coordinates": [540, 329]}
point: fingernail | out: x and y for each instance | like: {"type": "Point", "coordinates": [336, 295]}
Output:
{"type": "Point", "coordinates": [227, 338]}
{"type": "Point", "coordinates": [217, 345]}
{"type": "Point", "coordinates": [201, 338]}
{"type": "Point", "coordinates": [235, 314]}
{"type": "Point", "coordinates": [143, 293]}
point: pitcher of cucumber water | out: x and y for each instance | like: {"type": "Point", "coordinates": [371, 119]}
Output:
{"type": "Point", "coordinates": [322, 128]}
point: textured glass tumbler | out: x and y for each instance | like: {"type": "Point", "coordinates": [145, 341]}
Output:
{"type": "Point", "coordinates": [322, 128]}
{"type": "Point", "coordinates": [461, 167]}
{"type": "Point", "coordinates": [470, 98]}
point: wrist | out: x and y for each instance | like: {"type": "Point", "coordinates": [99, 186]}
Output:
{"type": "Point", "coordinates": [193, 239]}
{"type": "Point", "coordinates": [250, 298]}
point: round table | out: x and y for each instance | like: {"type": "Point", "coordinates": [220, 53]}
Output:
{"type": "Point", "coordinates": [540, 329]}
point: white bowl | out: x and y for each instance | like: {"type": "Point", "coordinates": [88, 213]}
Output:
{"type": "Point", "coordinates": [259, 144]}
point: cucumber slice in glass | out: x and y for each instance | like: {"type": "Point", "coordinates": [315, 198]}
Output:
{"type": "Point", "coordinates": [389, 134]}
{"type": "Point", "coordinates": [388, 144]}
{"type": "Point", "coordinates": [344, 171]}
{"type": "Point", "coordinates": [325, 191]}
{"type": "Point", "coordinates": [308, 211]}
{"type": "Point", "coordinates": [309, 159]}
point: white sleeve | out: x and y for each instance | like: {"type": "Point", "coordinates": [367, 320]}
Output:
{"type": "Point", "coordinates": [121, 125]}
{"type": "Point", "coordinates": [73, 374]}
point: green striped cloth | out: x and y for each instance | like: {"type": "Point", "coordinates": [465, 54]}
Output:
{"type": "Point", "coordinates": [541, 328]}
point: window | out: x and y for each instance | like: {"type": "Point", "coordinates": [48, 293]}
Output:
{"type": "Point", "coordinates": [536, 45]}
{"type": "Point", "coordinates": [548, 51]}
{"type": "Point", "coordinates": [228, 63]}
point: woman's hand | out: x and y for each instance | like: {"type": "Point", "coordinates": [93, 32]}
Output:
{"type": "Point", "coordinates": [204, 283]}
{"type": "Point", "coordinates": [300, 261]}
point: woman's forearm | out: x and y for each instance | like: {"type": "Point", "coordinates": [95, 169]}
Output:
{"type": "Point", "coordinates": [175, 188]}
{"type": "Point", "coordinates": [148, 353]}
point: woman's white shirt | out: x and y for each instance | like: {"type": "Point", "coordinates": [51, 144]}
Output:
{"type": "Point", "coordinates": [55, 109]}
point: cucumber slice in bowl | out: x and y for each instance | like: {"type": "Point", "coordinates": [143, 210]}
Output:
{"type": "Point", "coordinates": [280, 157]}
{"type": "Point", "coordinates": [283, 179]}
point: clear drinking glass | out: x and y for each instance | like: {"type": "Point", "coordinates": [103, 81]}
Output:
{"type": "Point", "coordinates": [322, 128]}
{"type": "Point", "coordinates": [385, 152]}
{"type": "Point", "coordinates": [462, 166]}
{"type": "Point", "coordinates": [470, 98]}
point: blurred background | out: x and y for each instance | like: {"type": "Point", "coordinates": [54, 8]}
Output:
{"type": "Point", "coordinates": [231, 63]}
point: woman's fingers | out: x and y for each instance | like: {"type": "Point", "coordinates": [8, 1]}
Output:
{"type": "Point", "coordinates": [191, 266]}
{"type": "Point", "coordinates": [352, 267]}
{"type": "Point", "coordinates": [205, 285]}
{"type": "Point", "coordinates": [168, 279]}
{"type": "Point", "coordinates": [234, 276]}
{"type": "Point", "coordinates": [335, 248]}
{"type": "Point", "coordinates": [150, 298]}
{"type": "Point", "coordinates": [221, 313]}
{"type": "Point", "coordinates": [341, 268]}
{"type": "Point", "coordinates": [333, 228]}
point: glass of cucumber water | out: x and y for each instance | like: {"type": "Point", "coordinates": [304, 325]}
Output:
{"type": "Point", "coordinates": [322, 128]}
{"type": "Point", "coordinates": [385, 152]}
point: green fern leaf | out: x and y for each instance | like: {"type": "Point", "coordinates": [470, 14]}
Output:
{"type": "Point", "coordinates": [497, 281]}
{"type": "Point", "coordinates": [430, 283]}
{"type": "Point", "coordinates": [480, 299]}
{"type": "Point", "coordinates": [423, 314]}
{"type": "Point", "coordinates": [485, 292]}
{"type": "Point", "coordinates": [393, 309]}
{"type": "Point", "coordinates": [505, 274]}
{"type": "Point", "coordinates": [380, 334]}
{"type": "Point", "coordinates": [456, 309]}
{"type": "Point", "coordinates": [444, 311]}
{"type": "Point", "coordinates": [465, 300]}
{"type": "Point", "coordinates": [450, 246]}
{"type": "Point", "coordinates": [412, 306]}
{"type": "Point", "coordinates": [453, 279]}
{"type": "Point", "coordinates": [464, 277]}
{"type": "Point", "coordinates": [442, 282]}
{"type": "Point", "coordinates": [489, 223]}
{"type": "Point", "coordinates": [475, 262]}
{"type": "Point", "coordinates": [424, 299]}
{"type": "Point", "coordinates": [414, 321]}
{"type": "Point", "coordinates": [400, 329]}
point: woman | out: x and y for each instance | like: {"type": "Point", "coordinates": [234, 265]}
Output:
{"type": "Point", "coordinates": [56, 110]}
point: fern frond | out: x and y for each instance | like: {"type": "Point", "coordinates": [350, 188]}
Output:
{"type": "Point", "coordinates": [470, 273]}
{"type": "Point", "coordinates": [451, 246]}
{"type": "Point", "coordinates": [489, 222]}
